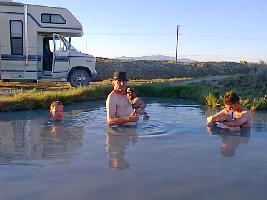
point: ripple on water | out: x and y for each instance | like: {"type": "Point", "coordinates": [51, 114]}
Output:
{"type": "Point", "coordinates": [144, 129]}
{"type": "Point", "coordinates": [152, 129]}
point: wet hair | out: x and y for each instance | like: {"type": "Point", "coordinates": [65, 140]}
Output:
{"type": "Point", "coordinates": [132, 90]}
{"type": "Point", "coordinates": [55, 103]}
{"type": "Point", "coordinates": [230, 98]}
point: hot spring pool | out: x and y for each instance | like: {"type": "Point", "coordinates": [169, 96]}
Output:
{"type": "Point", "coordinates": [171, 156]}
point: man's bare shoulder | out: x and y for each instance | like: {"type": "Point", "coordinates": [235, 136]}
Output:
{"type": "Point", "coordinates": [112, 98]}
{"type": "Point", "coordinates": [117, 98]}
{"type": "Point", "coordinates": [245, 116]}
{"type": "Point", "coordinates": [113, 95]}
{"type": "Point", "coordinates": [245, 111]}
{"type": "Point", "coordinates": [137, 100]}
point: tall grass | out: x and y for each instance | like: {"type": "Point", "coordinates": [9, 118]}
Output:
{"type": "Point", "coordinates": [34, 99]}
{"type": "Point", "coordinates": [41, 97]}
{"type": "Point", "coordinates": [38, 99]}
{"type": "Point", "coordinates": [211, 100]}
{"type": "Point", "coordinates": [193, 91]}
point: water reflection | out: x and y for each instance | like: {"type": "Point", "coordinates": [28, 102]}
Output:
{"type": "Point", "coordinates": [260, 121]}
{"type": "Point", "coordinates": [32, 139]}
{"type": "Point", "coordinates": [18, 141]}
{"type": "Point", "coordinates": [230, 144]}
{"type": "Point", "coordinates": [175, 135]}
{"type": "Point", "coordinates": [230, 140]}
{"type": "Point", "coordinates": [117, 140]}
{"type": "Point", "coordinates": [60, 139]}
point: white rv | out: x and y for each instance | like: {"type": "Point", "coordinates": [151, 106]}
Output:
{"type": "Point", "coordinates": [35, 44]}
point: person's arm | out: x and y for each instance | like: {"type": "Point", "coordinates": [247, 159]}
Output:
{"type": "Point", "coordinates": [111, 110]}
{"type": "Point", "coordinates": [233, 128]}
{"type": "Point", "coordinates": [140, 105]}
{"type": "Point", "coordinates": [239, 121]}
{"type": "Point", "coordinates": [218, 117]}
{"type": "Point", "coordinates": [221, 116]}
{"type": "Point", "coordinates": [135, 103]}
{"type": "Point", "coordinates": [112, 121]}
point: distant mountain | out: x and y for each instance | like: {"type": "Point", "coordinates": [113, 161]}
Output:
{"type": "Point", "coordinates": [155, 57]}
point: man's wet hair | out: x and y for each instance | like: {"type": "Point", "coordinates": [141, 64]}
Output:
{"type": "Point", "coordinates": [231, 98]}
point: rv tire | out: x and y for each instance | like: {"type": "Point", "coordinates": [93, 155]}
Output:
{"type": "Point", "coordinates": [79, 78]}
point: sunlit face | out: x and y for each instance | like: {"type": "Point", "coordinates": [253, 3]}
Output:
{"type": "Point", "coordinates": [119, 85]}
{"type": "Point", "coordinates": [130, 95]}
{"type": "Point", "coordinates": [56, 112]}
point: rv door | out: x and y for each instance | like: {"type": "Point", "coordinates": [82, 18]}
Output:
{"type": "Point", "coordinates": [60, 57]}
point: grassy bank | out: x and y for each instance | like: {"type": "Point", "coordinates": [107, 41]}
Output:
{"type": "Point", "coordinates": [32, 99]}
{"type": "Point", "coordinates": [251, 89]}
{"type": "Point", "coordinates": [196, 92]}
{"type": "Point", "coordinates": [39, 96]}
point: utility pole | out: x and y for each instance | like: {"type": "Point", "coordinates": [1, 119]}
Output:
{"type": "Point", "coordinates": [177, 39]}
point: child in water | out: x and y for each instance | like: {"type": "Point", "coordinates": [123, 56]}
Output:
{"type": "Point", "coordinates": [137, 103]}
{"type": "Point", "coordinates": [56, 117]}
{"type": "Point", "coordinates": [56, 111]}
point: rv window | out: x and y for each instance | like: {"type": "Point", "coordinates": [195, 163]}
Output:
{"type": "Point", "coordinates": [16, 37]}
{"type": "Point", "coordinates": [69, 46]}
{"type": "Point", "coordinates": [51, 45]}
{"type": "Point", "coordinates": [57, 19]}
{"type": "Point", "coordinates": [46, 18]}
{"type": "Point", "coordinates": [52, 18]}
{"type": "Point", "coordinates": [60, 45]}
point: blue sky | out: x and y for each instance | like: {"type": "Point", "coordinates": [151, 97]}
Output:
{"type": "Point", "coordinates": [230, 30]}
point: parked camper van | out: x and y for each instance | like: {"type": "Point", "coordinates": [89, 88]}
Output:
{"type": "Point", "coordinates": [35, 44]}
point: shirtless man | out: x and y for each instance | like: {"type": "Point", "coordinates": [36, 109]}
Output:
{"type": "Point", "coordinates": [233, 116]}
{"type": "Point", "coordinates": [119, 109]}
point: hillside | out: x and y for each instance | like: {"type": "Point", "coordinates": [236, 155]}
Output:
{"type": "Point", "coordinates": [156, 58]}
{"type": "Point", "coordinates": [165, 69]}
